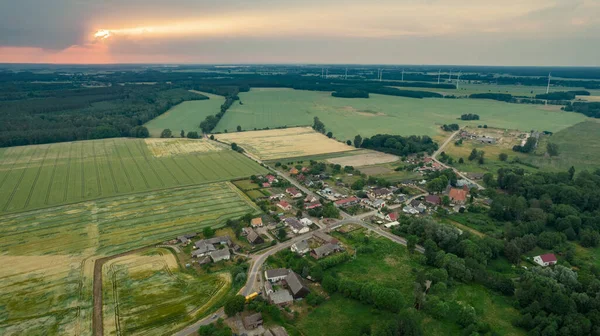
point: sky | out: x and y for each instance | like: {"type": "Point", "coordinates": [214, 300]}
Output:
{"type": "Point", "coordinates": [461, 32]}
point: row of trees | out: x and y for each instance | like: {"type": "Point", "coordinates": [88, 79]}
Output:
{"type": "Point", "coordinates": [469, 116]}
{"type": "Point", "coordinates": [591, 109]}
{"type": "Point", "coordinates": [562, 95]}
{"type": "Point", "coordinates": [399, 145]}
{"type": "Point", "coordinates": [370, 293]}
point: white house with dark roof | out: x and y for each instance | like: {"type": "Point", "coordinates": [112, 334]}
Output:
{"type": "Point", "coordinates": [276, 274]}
{"type": "Point", "coordinates": [300, 247]}
{"type": "Point", "coordinates": [296, 226]}
{"type": "Point", "coordinates": [219, 255]}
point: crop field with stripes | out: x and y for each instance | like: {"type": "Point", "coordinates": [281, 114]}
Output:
{"type": "Point", "coordinates": [48, 254]}
{"type": "Point", "coordinates": [40, 176]}
{"type": "Point", "coordinates": [147, 293]}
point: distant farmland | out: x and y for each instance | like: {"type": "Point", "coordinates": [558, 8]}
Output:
{"type": "Point", "coordinates": [51, 252]}
{"type": "Point", "coordinates": [262, 108]}
{"type": "Point", "coordinates": [44, 175]}
{"type": "Point", "coordinates": [186, 116]}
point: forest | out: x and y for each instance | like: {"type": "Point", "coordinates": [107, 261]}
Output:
{"type": "Point", "coordinates": [82, 114]}
{"type": "Point", "coordinates": [399, 145]}
{"type": "Point", "coordinates": [589, 109]}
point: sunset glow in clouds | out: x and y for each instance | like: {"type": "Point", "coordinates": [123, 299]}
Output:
{"type": "Point", "coordinates": [400, 31]}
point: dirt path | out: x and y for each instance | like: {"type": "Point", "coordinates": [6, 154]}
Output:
{"type": "Point", "coordinates": [97, 317]}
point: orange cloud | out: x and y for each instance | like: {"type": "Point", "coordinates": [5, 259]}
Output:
{"type": "Point", "coordinates": [95, 53]}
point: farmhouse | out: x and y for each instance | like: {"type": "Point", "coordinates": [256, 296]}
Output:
{"type": "Point", "coordinates": [545, 259]}
{"type": "Point", "coordinates": [410, 210]}
{"type": "Point", "coordinates": [219, 255]}
{"type": "Point", "coordinates": [296, 226]}
{"type": "Point", "coordinates": [433, 199]}
{"type": "Point", "coordinates": [296, 286]}
{"type": "Point", "coordinates": [418, 205]}
{"type": "Point", "coordinates": [350, 201]}
{"type": "Point", "coordinates": [458, 196]}
{"type": "Point", "coordinates": [285, 206]}
{"type": "Point", "coordinates": [202, 248]}
{"type": "Point", "coordinates": [183, 240]}
{"type": "Point", "coordinates": [266, 185]}
{"type": "Point", "coordinates": [271, 178]}
{"type": "Point", "coordinates": [254, 238]}
{"type": "Point", "coordinates": [252, 321]}
{"type": "Point", "coordinates": [392, 216]}
{"type": "Point", "coordinates": [300, 247]}
{"type": "Point", "coordinates": [256, 222]}
{"type": "Point", "coordinates": [281, 297]}
{"type": "Point", "coordinates": [325, 250]}
{"type": "Point", "coordinates": [295, 193]}
{"type": "Point", "coordinates": [276, 274]}
{"type": "Point", "coordinates": [379, 193]}
{"type": "Point", "coordinates": [223, 240]}
{"type": "Point", "coordinates": [487, 140]}
{"type": "Point", "coordinates": [294, 171]}
{"type": "Point", "coordinates": [310, 199]}
{"type": "Point", "coordinates": [313, 205]}
{"type": "Point", "coordinates": [268, 288]}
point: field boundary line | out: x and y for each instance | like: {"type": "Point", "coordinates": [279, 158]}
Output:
{"type": "Point", "coordinates": [195, 168]}
{"type": "Point", "coordinates": [123, 166]}
{"type": "Point", "coordinates": [139, 146]}
{"type": "Point", "coordinates": [183, 170]}
{"type": "Point", "coordinates": [137, 165]}
{"type": "Point", "coordinates": [12, 194]}
{"type": "Point", "coordinates": [12, 167]}
{"type": "Point", "coordinates": [37, 176]}
{"type": "Point", "coordinates": [169, 171]}
{"type": "Point", "coordinates": [51, 179]}
{"type": "Point", "coordinates": [112, 174]}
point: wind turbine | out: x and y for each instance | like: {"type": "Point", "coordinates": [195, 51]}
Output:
{"type": "Point", "coordinates": [548, 87]}
{"type": "Point", "coordinates": [450, 76]}
{"type": "Point", "coordinates": [403, 75]}
{"type": "Point", "coordinates": [458, 79]}
{"type": "Point", "coordinates": [439, 74]}
{"type": "Point", "coordinates": [326, 73]}
{"type": "Point", "coordinates": [346, 75]}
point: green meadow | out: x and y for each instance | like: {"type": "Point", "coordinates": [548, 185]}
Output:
{"type": "Point", "coordinates": [260, 108]}
{"type": "Point", "coordinates": [186, 116]}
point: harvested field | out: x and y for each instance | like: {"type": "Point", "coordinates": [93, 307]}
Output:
{"type": "Point", "coordinates": [48, 287]}
{"type": "Point", "coordinates": [375, 170]}
{"type": "Point", "coordinates": [169, 147]}
{"type": "Point", "coordinates": [284, 143]}
{"type": "Point", "coordinates": [366, 159]}
{"type": "Point", "coordinates": [39, 176]}
{"type": "Point", "coordinates": [148, 294]}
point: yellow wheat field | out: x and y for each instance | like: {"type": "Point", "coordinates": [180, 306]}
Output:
{"type": "Point", "coordinates": [284, 143]}
{"type": "Point", "coordinates": [170, 147]}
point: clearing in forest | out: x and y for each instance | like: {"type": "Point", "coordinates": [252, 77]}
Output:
{"type": "Point", "coordinates": [284, 143]}
{"type": "Point", "coordinates": [147, 293]}
{"type": "Point", "coordinates": [50, 253]}
{"type": "Point", "coordinates": [382, 114]}
{"type": "Point", "coordinates": [39, 176]}
{"type": "Point", "coordinates": [186, 116]}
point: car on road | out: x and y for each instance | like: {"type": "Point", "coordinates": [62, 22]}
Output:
{"type": "Point", "coordinates": [214, 316]}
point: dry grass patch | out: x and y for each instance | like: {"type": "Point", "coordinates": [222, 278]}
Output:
{"type": "Point", "coordinates": [284, 143]}
{"type": "Point", "coordinates": [170, 147]}
{"type": "Point", "coordinates": [366, 159]}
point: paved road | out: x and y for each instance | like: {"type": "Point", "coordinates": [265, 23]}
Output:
{"type": "Point", "coordinates": [434, 157]}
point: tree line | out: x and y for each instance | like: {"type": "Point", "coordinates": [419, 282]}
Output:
{"type": "Point", "coordinates": [398, 145]}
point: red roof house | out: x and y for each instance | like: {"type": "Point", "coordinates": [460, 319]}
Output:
{"type": "Point", "coordinates": [266, 185]}
{"type": "Point", "coordinates": [545, 259]}
{"type": "Point", "coordinates": [313, 205]}
{"type": "Point", "coordinates": [284, 206]}
{"type": "Point", "coordinates": [433, 199]}
{"type": "Point", "coordinates": [270, 178]}
{"type": "Point", "coordinates": [295, 193]}
{"type": "Point", "coordinates": [347, 201]}
{"type": "Point", "coordinates": [392, 216]}
{"type": "Point", "coordinates": [458, 195]}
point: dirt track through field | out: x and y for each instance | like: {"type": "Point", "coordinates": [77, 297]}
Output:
{"type": "Point", "coordinates": [97, 318]}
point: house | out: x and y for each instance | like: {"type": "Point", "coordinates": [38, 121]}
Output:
{"type": "Point", "coordinates": [268, 288]}
{"type": "Point", "coordinates": [314, 205]}
{"type": "Point", "coordinates": [279, 331]}
{"type": "Point", "coordinates": [418, 205]}
{"type": "Point", "coordinates": [349, 201]}
{"type": "Point", "coordinates": [325, 250]}
{"type": "Point", "coordinates": [487, 140]}
{"type": "Point", "coordinates": [183, 240]}
{"type": "Point", "coordinates": [276, 274]}
{"type": "Point", "coordinates": [390, 224]}
{"type": "Point", "coordinates": [266, 185]}
{"type": "Point", "coordinates": [223, 240]}
{"type": "Point", "coordinates": [304, 169]}
{"type": "Point", "coordinates": [296, 226]}
{"type": "Point", "coordinates": [458, 196]}
{"type": "Point", "coordinates": [378, 204]}
{"type": "Point", "coordinates": [410, 210]}
{"type": "Point", "coordinates": [270, 178]}
{"type": "Point", "coordinates": [219, 255]}
{"type": "Point", "coordinates": [433, 199]}
{"type": "Point", "coordinates": [305, 221]}
{"type": "Point", "coordinates": [545, 259]}
{"type": "Point", "coordinates": [294, 171]}
{"type": "Point", "coordinates": [202, 248]}
{"type": "Point", "coordinates": [379, 193]}
{"type": "Point", "coordinates": [295, 193]}
{"type": "Point", "coordinates": [300, 247]}
{"type": "Point", "coordinates": [254, 238]}
{"type": "Point", "coordinates": [392, 216]}
{"type": "Point", "coordinates": [294, 283]}
{"type": "Point", "coordinates": [204, 260]}
{"type": "Point", "coordinates": [252, 321]}
{"type": "Point", "coordinates": [310, 199]}
{"type": "Point", "coordinates": [285, 206]}
{"type": "Point", "coordinates": [281, 297]}
{"type": "Point", "coordinates": [256, 222]}
{"type": "Point", "coordinates": [309, 183]}
{"type": "Point", "coordinates": [324, 238]}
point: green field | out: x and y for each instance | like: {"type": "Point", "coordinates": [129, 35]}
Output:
{"type": "Point", "coordinates": [149, 294]}
{"type": "Point", "coordinates": [48, 254]}
{"type": "Point", "coordinates": [186, 116]}
{"type": "Point", "coordinates": [383, 114]}
{"type": "Point", "coordinates": [39, 176]}
{"type": "Point", "coordinates": [579, 146]}
{"type": "Point", "coordinates": [515, 90]}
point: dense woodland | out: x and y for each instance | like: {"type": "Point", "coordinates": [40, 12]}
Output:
{"type": "Point", "coordinates": [399, 145]}
{"type": "Point", "coordinates": [80, 114]}
{"type": "Point", "coordinates": [589, 109]}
